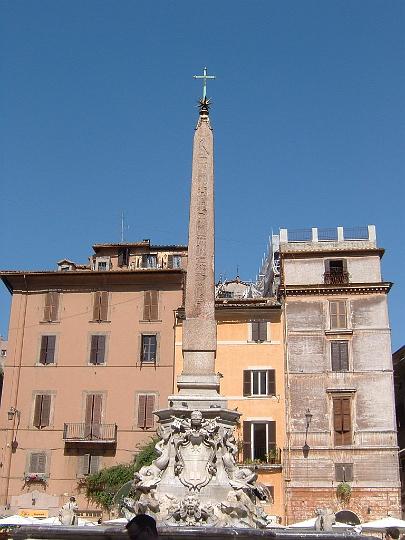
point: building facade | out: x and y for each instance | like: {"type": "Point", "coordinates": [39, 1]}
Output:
{"type": "Point", "coordinates": [341, 444]}
{"type": "Point", "coordinates": [90, 356]}
{"type": "Point", "coordinates": [398, 362]}
{"type": "Point", "coordinates": [250, 362]}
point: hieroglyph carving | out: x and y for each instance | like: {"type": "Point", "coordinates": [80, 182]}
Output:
{"type": "Point", "coordinates": [202, 222]}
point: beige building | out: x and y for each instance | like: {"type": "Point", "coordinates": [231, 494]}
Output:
{"type": "Point", "coordinates": [250, 360]}
{"type": "Point", "coordinates": [341, 447]}
{"type": "Point", "coordinates": [90, 356]}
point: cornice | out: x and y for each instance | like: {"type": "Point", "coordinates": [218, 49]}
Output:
{"type": "Point", "coordinates": [352, 288]}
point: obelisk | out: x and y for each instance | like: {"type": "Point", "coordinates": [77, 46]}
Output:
{"type": "Point", "coordinates": [195, 480]}
{"type": "Point", "coordinates": [198, 377]}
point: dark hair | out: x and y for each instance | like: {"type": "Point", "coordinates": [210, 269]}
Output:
{"type": "Point", "coordinates": [142, 527]}
{"type": "Point", "coordinates": [393, 532]}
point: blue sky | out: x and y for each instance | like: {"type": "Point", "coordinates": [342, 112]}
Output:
{"type": "Point", "coordinates": [98, 111]}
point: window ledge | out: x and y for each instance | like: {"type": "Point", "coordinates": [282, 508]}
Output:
{"type": "Point", "coordinates": [343, 331]}
{"type": "Point", "coordinates": [40, 364]}
{"type": "Point", "coordinates": [98, 322]}
{"type": "Point", "coordinates": [96, 365]}
{"type": "Point", "coordinates": [49, 322]}
{"type": "Point", "coordinates": [150, 321]}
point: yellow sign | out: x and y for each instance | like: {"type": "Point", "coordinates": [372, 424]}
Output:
{"type": "Point", "coordinates": [35, 513]}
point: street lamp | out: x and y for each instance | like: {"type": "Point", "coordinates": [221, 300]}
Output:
{"type": "Point", "coordinates": [11, 412]}
{"type": "Point", "coordinates": [308, 418]}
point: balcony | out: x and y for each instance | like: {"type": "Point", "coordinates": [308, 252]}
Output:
{"type": "Point", "coordinates": [336, 278]}
{"type": "Point", "coordinates": [90, 433]}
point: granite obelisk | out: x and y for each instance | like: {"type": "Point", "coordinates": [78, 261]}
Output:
{"type": "Point", "coordinates": [199, 327]}
{"type": "Point", "coordinates": [196, 480]}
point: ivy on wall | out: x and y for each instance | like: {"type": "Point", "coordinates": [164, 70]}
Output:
{"type": "Point", "coordinates": [103, 486]}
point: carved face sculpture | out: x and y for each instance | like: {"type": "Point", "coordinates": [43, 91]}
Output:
{"type": "Point", "coordinates": [196, 419]}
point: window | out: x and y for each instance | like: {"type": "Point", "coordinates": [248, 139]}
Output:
{"type": "Point", "coordinates": [146, 404]}
{"type": "Point", "coordinates": [259, 382]}
{"type": "Point", "coordinates": [51, 306]}
{"type": "Point", "coordinates": [47, 351]}
{"type": "Point", "coordinates": [342, 421]}
{"type": "Point", "coordinates": [37, 463]}
{"type": "Point", "coordinates": [151, 306]}
{"type": "Point", "coordinates": [92, 416]}
{"type": "Point", "coordinates": [259, 330]}
{"type": "Point", "coordinates": [97, 349]}
{"type": "Point", "coordinates": [149, 261]}
{"type": "Point", "coordinates": [339, 352]}
{"type": "Point", "coordinates": [148, 348]}
{"type": "Point", "coordinates": [337, 312]}
{"type": "Point", "coordinates": [88, 464]}
{"type": "Point", "coordinates": [344, 472]}
{"type": "Point", "coordinates": [174, 261]}
{"type": "Point", "coordinates": [336, 272]}
{"type": "Point", "coordinates": [101, 266]}
{"type": "Point", "coordinates": [42, 411]}
{"type": "Point", "coordinates": [100, 306]}
{"type": "Point", "coordinates": [259, 438]}
{"type": "Point", "coordinates": [123, 256]}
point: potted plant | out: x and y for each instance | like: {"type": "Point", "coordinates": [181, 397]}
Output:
{"type": "Point", "coordinates": [34, 477]}
{"type": "Point", "coordinates": [273, 455]}
{"type": "Point", "coordinates": [343, 492]}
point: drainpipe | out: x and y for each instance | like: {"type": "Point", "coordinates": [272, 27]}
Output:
{"type": "Point", "coordinates": [14, 401]}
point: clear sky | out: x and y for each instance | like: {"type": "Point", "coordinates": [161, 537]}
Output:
{"type": "Point", "coordinates": [98, 107]}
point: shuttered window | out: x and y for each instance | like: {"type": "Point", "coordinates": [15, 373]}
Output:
{"type": "Point", "coordinates": [338, 316]}
{"type": "Point", "coordinates": [100, 306]}
{"type": "Point", "coordinates": [148, 348]}
{"type": "Point", "coordinates": [97, 349]}
{"type": "Point", "coordinates": [93, 416]}
{"type": "Point", "coordinates": [259, 438]}
{"type": "Point", "coordinates": [146, 405]}
{"type": "Point", "coordinates": [151, 306]}
{"type": "Point", "coordinates": [259, 382]}
{"type": "Point", "coordinates": [149, 261]}
{"type": "Point", "coordinates": [123, 256]}
{"type": "Point", "coordinates": [342, 421]}
{"type": "Point", "coordinates": [339, 351]}
{"type": "Point", "coordinates": [259, 330]}
{"type": "Point", "coordinates": [88, 464]}
{"type": "Point", "coordinates": [51, 306]}
{"type": "Point", "coordinates": [47, 352]}
{"type": "Point", "coordinates": [344, 472]}
{"type": "Point", "coordinates": [174, 261]}
{"type": "Point", "coordinates": [42, 410]}
{"type": "Point", "coordinates": [37, 463]}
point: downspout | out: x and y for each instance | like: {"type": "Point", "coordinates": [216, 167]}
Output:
{"type": "Point", "coordinates": [16, 417]}
{"type": "Point", "coordinates": [287, 473]}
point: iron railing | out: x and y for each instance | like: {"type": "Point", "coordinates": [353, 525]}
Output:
{"type": "Point", "coordinates": [336, 278]}
{"type": "Point", "coordinates": [82, 432]}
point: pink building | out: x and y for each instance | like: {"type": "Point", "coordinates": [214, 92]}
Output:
{"type": "Point", "coordinates": [90, 355]}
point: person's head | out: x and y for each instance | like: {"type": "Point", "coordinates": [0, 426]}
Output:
{"type": "Point", "coordinates": [72, 499]}
{"type": "Point", "coordinates": [392, 532]}
{"type": "Point", "coordinates": [142, 527]}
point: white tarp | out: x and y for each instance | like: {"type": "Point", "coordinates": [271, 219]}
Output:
{"type": "Point", "coordinates": [18, 520]}
{"type": "Point", "coordinates": [384, 523]}
{"type": "Point", "coordinates": [310, 524]}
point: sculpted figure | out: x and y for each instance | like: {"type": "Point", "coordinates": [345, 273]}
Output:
{"type": "Point", "coordinates": [68, 513]}
{"type": "Point", "coordinates": [324, 520]}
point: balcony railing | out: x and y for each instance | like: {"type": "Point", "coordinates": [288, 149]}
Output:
{"type": "Point", "coordinates": [336, 278]}
{"type": "Point", "coordinates": [82, 432]}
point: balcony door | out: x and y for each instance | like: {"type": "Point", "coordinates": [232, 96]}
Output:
{"type": "Point", "coordinates": [93, 415]}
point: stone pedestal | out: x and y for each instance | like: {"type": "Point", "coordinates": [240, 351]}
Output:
{"type": "Point", "coordinates": [195, 480]}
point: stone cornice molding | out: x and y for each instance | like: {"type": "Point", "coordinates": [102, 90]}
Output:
{"type": "Point", "coordinates": [321, 289]}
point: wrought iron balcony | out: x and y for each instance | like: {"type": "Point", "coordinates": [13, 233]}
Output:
{"type": "Point", "coordinates": [94, 433]}
{"type": "Point", "coordinates": [336, 278]}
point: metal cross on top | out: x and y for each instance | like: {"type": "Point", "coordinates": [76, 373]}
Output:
{"type": "Point", "coordinates": [204, 77]}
